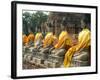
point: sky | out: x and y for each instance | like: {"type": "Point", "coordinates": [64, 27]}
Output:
{"type": "Point", "coordinates": [32, 11]}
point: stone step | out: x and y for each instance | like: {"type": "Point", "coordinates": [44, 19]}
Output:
{"type": "Point", "coordinates": [50, 64]}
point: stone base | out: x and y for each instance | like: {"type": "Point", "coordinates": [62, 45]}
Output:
{"type": "Point", "coordinates": [50, 64]}
{"type": "Point", "coordinates": [81, 59]}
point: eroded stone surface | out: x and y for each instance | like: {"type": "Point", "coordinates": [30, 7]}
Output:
{"type": "Point", "coordinates": [34, 58]}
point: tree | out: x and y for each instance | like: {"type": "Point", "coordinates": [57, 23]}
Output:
{"type": "Point", "coordinates": [38, 18]}
{"type": "Point", "coordinates": [26, 22]}
{"type": "Point", "coordinates": [31, 21]}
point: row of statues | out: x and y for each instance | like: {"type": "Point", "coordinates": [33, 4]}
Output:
{"type": "Point", "coordinates": [63, 45]}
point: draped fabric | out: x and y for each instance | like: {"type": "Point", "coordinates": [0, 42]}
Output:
{"type": "Point", "coordinates": [48, 40]}
{"type": "Point", "coordinates": [83, 42]}
{"type": "Point", "coordinates": [25, 40]}
{"type": "Point", "coordinates": [38, 39]}
{"type": "Point", "coordinates": [31, 37]}
{"type": "Point", "coordinates": [64, 39]}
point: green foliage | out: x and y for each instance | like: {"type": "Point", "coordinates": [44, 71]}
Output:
{"type": "Point", "coordinates": [33, 20]}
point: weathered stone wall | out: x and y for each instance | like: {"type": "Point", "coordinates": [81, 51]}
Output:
{"type": "Point", "coordinates": [72, 22]}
